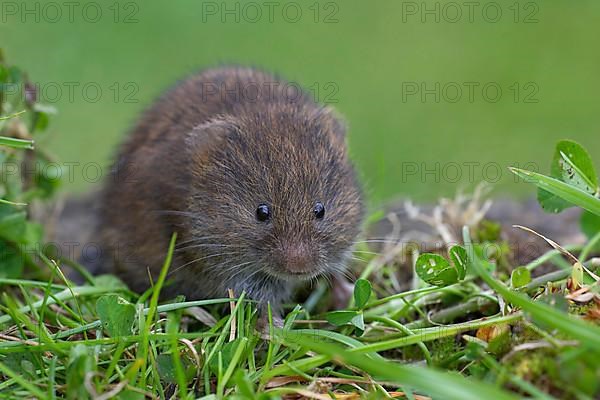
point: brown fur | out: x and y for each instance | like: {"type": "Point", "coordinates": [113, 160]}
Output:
{"type": "Point", "coordinates": [201, 160]}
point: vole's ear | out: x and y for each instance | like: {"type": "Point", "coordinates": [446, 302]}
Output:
{"type": "Point", "coordinates": [205, 138]}
{"type": "Point", "coordinates": [335, 124]}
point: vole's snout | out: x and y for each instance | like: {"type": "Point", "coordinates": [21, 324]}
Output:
{"type": "Point", "coordinates": [296, 258]}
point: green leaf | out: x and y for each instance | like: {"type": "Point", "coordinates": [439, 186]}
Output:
{"type": "Point", "coordinates": [110, 281]}
{"type": "Point", "coordinates": [244, 385]}
{"type": "Point", "coordinates": [571, 164]}
{"type": "Point", "coordinates": [574, 175]}
{"type": "Point", "coordinates": [48, 179]}
{"type": "Point", "coordinates": [80, 364]}
{"type": "Point", "coordinates": [520, 277]}
{"type": "Point", "coordinates": [117, 315]}
{"type": "Point", "coordinates": [227, 353]}
{"type": "Point", "coordinates": [436, 270]}
{"type": "Point", "coordinates": [579, 158]}
{"type": "Point", "coordinates": [21, 363]}
{"type": "Point", "coordinates": [166, 367]}
{"type": "Point", "coordinates": [339, 318]}
{"type": "Point", "coordinates": [362, 292]}
{"type": "Point", "coordinates": [33, 233]}
{"type": "Point", "coordinates": [13, 226]}
{"type": "Point", "coordinates": [577, 274]}
{"type": "Point", "coordinates": [460, 259]}
{"type": "Point", "coordinates": [572, 194]}
{"type": "Point", "coordinates": [358, 321]}
{"type": "Point", "coordinates": [11, 261]}
{"type": "Point", "coordinates": [41, 121]}
{"type": "Point", "coordinates": [550, 202]}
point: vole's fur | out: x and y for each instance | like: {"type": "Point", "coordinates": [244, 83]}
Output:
{"type": "Point", "coordinates": [199, 163]}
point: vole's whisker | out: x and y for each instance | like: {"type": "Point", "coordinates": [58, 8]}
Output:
{"type": "Point", "coordinates": [236, 267]}
{"type": "Point", "coordinates": [222, 272]}
{"type": "Point", "coordinates": [366, 252]}
{"type": "Point", "coordinates": [198, 259]}
{"type": "Point", "coordinates": [246, 279]}
{"type": "Point", "coordinates": [225, 272]}
{"type": "Point", "coordinates": [342, 270]}
{"type": "Point", "coordinates": [358, 259]}
{"type": "Point", "coordinates": [199, 239]}
{"type": "Point", "coordinates": [376, 241]}
{"type": "Point", "coordinates": [327, 277]}
{"type": "Point", "coordinates": [209, 245]}
{"type": "Point", "coordinates": [187, 214]}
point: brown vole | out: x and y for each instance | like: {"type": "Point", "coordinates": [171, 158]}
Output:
{"type": "Point", "coordinates": [253, 176]}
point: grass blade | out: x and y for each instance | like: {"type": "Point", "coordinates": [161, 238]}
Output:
{"type": "Point", "coordinates": [559, 188]}
{"type": "Point", "coordinates": [588, 334]}
{"type": "Point", "coordinates": [16, 143]}
{"type": "Point", "coordinates": [435, 383]}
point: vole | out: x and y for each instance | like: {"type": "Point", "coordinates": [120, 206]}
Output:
{"type": "Point", "coordinates": [250, 172]}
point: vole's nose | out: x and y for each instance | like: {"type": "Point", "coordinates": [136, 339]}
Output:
{"type": "Point", "coordinates": [296, 257]}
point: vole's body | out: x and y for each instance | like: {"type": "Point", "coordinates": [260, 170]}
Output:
{"type": "Point", "coordinates": [199, 163]}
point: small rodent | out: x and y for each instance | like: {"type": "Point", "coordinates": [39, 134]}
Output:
{"type": "Point", "coordinates": [252, 175]}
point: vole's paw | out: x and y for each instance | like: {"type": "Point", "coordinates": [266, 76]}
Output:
{"type": "Point", "coordinates": [341, 292]}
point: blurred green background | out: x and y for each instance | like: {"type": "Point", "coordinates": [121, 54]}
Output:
{"type": "Point", "coordinates": [392, 68]}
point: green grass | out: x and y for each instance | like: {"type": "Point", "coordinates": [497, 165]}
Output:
{"type": "Point", "coordinates": [56, 343]}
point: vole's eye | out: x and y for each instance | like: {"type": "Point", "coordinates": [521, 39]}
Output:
{"type": "Point", "coordinates": [319, 210]}
{"type": "Point", "coordinates": [263, 212]}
